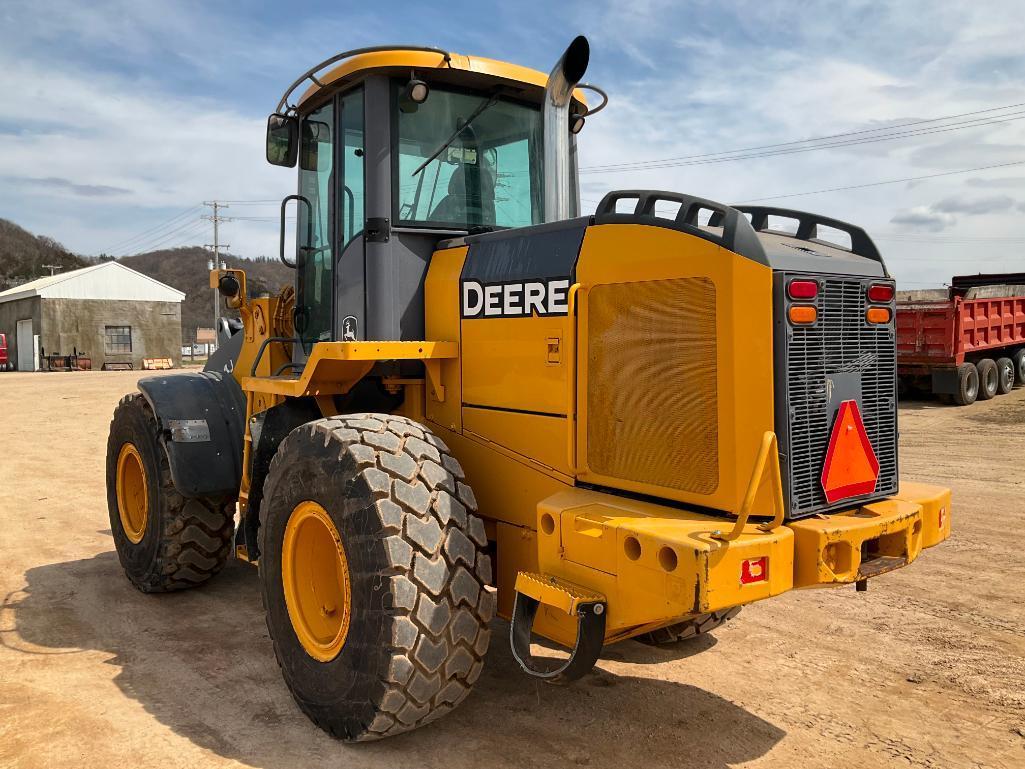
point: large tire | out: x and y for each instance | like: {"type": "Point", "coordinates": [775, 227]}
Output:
{"type": "Point", "coordinates": [967, 385]}
{"type": "Point", "coordinates": [410, 640]}
{"type": "Point", "coordinates": [1005, 376]}
{"type": "Point", "coordinates": [689, 629]}
{"type": "Point", "coordinates": [989, 379]}
{"type": "Point", "coordinates": [164, 541]}
{"type": "Point", "coordinates": [1019, 365]}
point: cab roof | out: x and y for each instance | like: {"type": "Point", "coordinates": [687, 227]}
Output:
{"type": "Point", "coordinates": [453, 67]}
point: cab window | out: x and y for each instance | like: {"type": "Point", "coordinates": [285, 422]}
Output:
{"type": "Point", "coordinates": [468, 160]}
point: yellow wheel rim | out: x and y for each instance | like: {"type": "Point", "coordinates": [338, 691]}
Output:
{"type": "Point", "coordinates": [315, 576]}
{"type": "Point", "coordinates": [132, 493]}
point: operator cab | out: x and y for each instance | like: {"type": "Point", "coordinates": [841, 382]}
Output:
{"type": "Point", "coordinates": [397, 150]}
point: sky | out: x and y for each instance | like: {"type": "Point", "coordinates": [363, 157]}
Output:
{"type": "Point", "coordinates": [121, 117]}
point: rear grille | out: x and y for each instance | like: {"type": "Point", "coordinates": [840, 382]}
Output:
{"type": "Point", "coordinates": [839, 343]}
{"type": "Point", "coordinates": [652, 404]}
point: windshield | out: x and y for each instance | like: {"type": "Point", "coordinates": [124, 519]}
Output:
{"type": "Point", "coordinates": [488, 175]}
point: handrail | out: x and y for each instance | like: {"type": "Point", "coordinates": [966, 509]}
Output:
{"type": "Point", "coordinates": [571, 380]}
{"type": "Point", "coordinates": [737, 234]}
{"type": "Point", "coordinates": [263, 347]}
{"type": "Point", "coordinates": [311, 73]}
{"type": "Point", "coordinates": [309, 226]}
{"type": "Point", "coordinates": [769, 450]}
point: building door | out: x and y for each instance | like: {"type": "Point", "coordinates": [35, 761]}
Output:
{"type": "Point", "coordinates": [26, 346]}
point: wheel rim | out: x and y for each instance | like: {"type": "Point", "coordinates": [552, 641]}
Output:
{"type": "Point", "coordinates": [315, 577]}
{"type": "Point", "coordinates": [132, 493]}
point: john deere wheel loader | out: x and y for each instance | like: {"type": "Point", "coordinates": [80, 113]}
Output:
{"type": "Point", "coordinates": [627, 424]}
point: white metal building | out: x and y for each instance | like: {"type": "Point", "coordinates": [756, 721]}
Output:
{"type": "Point", "coordinates": [107, 311]}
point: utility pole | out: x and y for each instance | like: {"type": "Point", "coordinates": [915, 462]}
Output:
{"type": "Point", "coordinates": [51, 268]}
{"type": "Point", "coordinates": [216, 218]}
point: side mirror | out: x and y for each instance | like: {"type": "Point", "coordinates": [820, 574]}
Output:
{"type": "Point", "coordinates": [282, 140]}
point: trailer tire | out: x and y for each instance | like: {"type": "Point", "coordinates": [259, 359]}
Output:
{"type": "Point", "coordinates": [1005, 376]}
{"type": "Point", "coordinates": [394, 636]}
{"type": "Point", "coordinates": [164, 541]}
{"type": "Point", "coordinates": [688, 629]}
{"type": "Point", "coordinates": [989, 378]}
{"type": "Point", "coordinates": [967, 385]}
{"type": "Point", "coordinates": [1019, 365]}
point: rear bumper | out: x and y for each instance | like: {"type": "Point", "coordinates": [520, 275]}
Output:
{"type": "Point", "coordinates": [655, 565]}
{"type": "Point", "coordinates": [870, 540]}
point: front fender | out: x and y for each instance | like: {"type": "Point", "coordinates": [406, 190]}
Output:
{"type": "Point", "coordinates": [202, 415]}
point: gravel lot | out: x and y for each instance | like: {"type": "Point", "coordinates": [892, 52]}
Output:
{"type": "Point", "coordinates": [927, 669]}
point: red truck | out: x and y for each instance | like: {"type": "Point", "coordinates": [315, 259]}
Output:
{"type": "Point", "coordinates": [4, 362]}
{"type": "Point", "coordinates": [969, 345]}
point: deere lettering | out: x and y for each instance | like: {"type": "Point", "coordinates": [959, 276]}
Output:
{"type": "Point", "coordinates": [518, 299]}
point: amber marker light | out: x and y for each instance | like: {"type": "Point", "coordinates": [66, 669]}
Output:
{"type": "Point", "coordinates": [803, 314]}
{"type": "Point", "coordinates": [878, 315]}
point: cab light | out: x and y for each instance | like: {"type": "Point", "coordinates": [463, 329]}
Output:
{"type": "Point", "coordinates": [803, 314]}
{"type": "Point", "coordinates": [878, 315]}
{"type": "Point", "coordinates": [803, 289]}
{"type": "Point", "coordinates": [754, 570]}
{"type": "Point", "coordinates": [880, 292]}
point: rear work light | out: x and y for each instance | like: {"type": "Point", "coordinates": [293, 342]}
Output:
{"type": "Point", "coordinates": [878, 315]}
{"type": "Point", "coordinates": [880, 292]}
{"type": "Point", "coordinates": [803, 314]}
{"type": "Point", "coordinates": [754, 570]}
{"type": "Point", "coordinates": [803, 289]}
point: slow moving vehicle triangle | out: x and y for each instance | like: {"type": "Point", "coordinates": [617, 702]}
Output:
{"type": "Point", "coordinates": [851, 467]}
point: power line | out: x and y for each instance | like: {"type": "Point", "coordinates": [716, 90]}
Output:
{"type": "Point", "coordinates": [833, 145]}
{"type": "Point", "coordinates": [151, 243]}
{"type": "Point", "coordinates": [888, 181]}
{"type": "Point", "coordinates": [862, 132]}
{"type": "Point", "coordinates": [124, 243]}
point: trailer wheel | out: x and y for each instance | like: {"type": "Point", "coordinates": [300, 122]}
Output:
{"type": "Point", "coordinates": [967, 385]}
{"type": "Point", "coordinates": [373, 571]}
{"type": "Point", "coordinates": [1005, 376]}
{"type": "Point", "coordinates": [1019, 365]}
{"type": "Point", "coordinates": [689, 629]}
{"type": "Point", "coordinates": [164, 541]}
{"type": "Point", "coordinates": [989, 378]}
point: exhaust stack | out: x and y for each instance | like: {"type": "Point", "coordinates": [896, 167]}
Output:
{"type": "Point", "coordinates": [561, 196]}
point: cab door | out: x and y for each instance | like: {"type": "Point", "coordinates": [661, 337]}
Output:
{"type": "Point", "coordinates": [314, 242]}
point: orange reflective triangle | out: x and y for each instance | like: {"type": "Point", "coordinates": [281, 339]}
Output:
{"type": "Point", "coordinates": [851, 467]}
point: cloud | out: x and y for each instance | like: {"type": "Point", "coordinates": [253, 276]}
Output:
{"type": "Point", "coordinates": [976, 206]}
{"type": "Point", "coordinates": [923, 219]}
{"type": "Point", "coordinates": [57, 184]}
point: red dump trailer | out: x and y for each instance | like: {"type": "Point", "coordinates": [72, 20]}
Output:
{"type": "Point", "coordinates": [968, 345]}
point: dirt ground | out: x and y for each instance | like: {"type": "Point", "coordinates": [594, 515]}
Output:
{"type": "Point", "coordinates": [927, 669]}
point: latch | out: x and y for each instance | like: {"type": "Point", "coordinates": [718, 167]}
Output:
{"type": "Point", "coordinates": [554, 351]}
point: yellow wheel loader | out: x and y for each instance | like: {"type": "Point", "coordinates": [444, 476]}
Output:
{"type": "Point", "coordinates": [474, 400]}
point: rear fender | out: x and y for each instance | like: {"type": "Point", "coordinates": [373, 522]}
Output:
{"type": "Point", "coordinates": [202, 415]}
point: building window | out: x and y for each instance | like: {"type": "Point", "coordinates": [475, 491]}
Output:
{"type": "Point", "coordinates": [117, 340]}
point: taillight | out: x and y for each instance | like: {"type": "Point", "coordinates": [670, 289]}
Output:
{"type": "Point", "coordinates": [803, 314]}
{"type": "Point", "coordinates": [754, 570]}
{"type": "Point", "coordinates": [803, 289]}
{"type": "Point", "coordinates": [878, 315]}
{"type": "Point", "coordinates": [880, 292]}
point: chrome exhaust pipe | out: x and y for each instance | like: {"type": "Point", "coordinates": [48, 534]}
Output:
{"type": "Point", "coordinates": [561, 193]}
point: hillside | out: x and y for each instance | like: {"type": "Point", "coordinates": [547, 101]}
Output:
{"type": "Point", "coordinates": [22, 255]}
{"type": "Point", "coordinates": [186, 270]}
